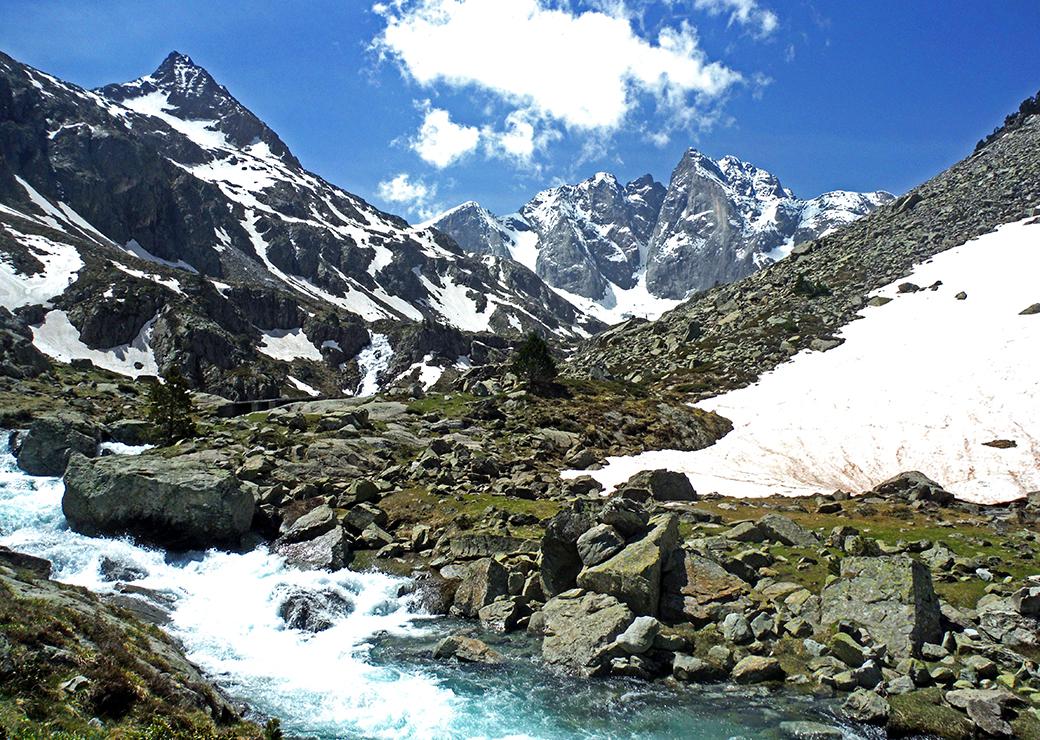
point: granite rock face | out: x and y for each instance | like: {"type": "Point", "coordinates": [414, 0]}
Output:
{"type": "Point", "coordinates": [182, 503]}
{"type": "Point", "coordinates": [891, 597]}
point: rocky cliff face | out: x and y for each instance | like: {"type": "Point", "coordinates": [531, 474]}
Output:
{"type": "Point", "coordinates": [160, 223]}
{"type": "Point", "coordinates": [619, 245]}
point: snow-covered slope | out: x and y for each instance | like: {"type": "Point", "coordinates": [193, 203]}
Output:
{"type": "Point", "coordinates": [618, 251]}
{"type": "Point", "coordinates": [920, 383]}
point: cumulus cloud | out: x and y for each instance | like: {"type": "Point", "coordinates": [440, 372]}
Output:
{"type": "Point", "coordinates": [744, 12]}
{"type": "Point", "coordinates": [587, 70]}
{"type": "Point", "coordinates": [415, 195]}
{"type": "Point", "coordinates": [441, 141]}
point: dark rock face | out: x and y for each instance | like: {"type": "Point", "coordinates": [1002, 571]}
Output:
{"type": "Point", "coordinates": [914, 486]}
{"type": "Point", "coordinates": [181, 503]}
{"type": "Point", "coordinates": [660, 485]}
{"type": "Point", "coordinates": [561, 560]}
{"type": "Point", "coordinates": [18, 357]}
{"type": "Point", "coordinates": [46, 449]}
{"type": "Point", "coordinates": [722, 220]}
{"type": "Point", "coordinates": [313, 611]}
{"type": "Point", "coordinates": [891, 597]}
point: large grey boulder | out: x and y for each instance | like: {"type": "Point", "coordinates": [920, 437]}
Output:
{"type": "Point", "coordinates": [787, 532]}
{"type": "Point", "coordinates": [328, 551]}
{"type": "Point", "coordinates": [181, 502]}
{"type": "Point", "coordinates": [599, 543]}
{"type": "Point", "coordinates": [914, 486]}
{"type": "Point", "coordinates": [891, 597]}
{"type": "Point", "coordinates": [580, 630]}
{"type": "Point", "coordinates": [633, 576]}
{"type": "Point", "coordinates": [660, 485]}
{"type": "Point", "coordinates": [485, 581]}
{"type": "Point", "coordinates": [46, 449]}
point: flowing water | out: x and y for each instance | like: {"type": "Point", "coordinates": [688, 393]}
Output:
{"type": "Point", "coordinates": [369, 674]}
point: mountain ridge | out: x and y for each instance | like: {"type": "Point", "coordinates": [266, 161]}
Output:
{"type": "Point", "coordinates": [613, 248]}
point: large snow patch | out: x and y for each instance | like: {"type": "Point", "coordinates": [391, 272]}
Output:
{"type": "Point", "coordinates": [919, 384]}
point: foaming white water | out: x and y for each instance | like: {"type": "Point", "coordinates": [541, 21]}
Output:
{"type": "Point", "coordinates": [225, 610]}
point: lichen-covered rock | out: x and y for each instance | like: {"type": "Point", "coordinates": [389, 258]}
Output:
{"type": "Point", "coordinates": [580, 629]}
{"type": "Point", "coordinates": [633, 576]}
{"type": "Point", "coordinates": [466, 650]}
{"type": "Point", "coordinates": [693, 587]}
{"type": "Point", "coordinates": [328, 551]}
{"type": "Point", "coordinates": [891, 597]}
{"type": "Point", "coordinates": [51, 441]}
{"type": "Point", "coordinates": [485, 581]}
{"type": "Point", "coordinates": [183, 502]}
{"type": "Point", "coordinates": [781, 529]}
{"type": "Point", "coordinates": [757, 669]}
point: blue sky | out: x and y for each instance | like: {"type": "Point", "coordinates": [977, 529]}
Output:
{"type": "Point", "coordinates": [421, 104]}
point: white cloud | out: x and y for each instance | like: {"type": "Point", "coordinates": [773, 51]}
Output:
{"type": "Point", "coordinates": [587, 70]}
{"type": "Point", "coordinates": [523, 136]}
{"type": "Point", "coordinates": [415, 195]}
{"type": "Point", "coordinates": [441, 141]}
{"type": "Point", "coordinates": [744, 12]}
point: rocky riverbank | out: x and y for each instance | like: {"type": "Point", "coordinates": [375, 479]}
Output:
{"type": "Point", "coordinates": [915, 612]}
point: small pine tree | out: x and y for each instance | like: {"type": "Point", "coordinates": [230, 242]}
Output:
{"type": "Point", "coordinates": [533, 361]}
{"type": "Point", "coordinates": [170, 407]}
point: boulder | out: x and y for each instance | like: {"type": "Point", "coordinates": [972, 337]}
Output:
{"type": "Point", "coordinates": [627, 516]}
{"type": "Point", "coordinates": [633, 576]}
{"type": "Point", "coordinates": [660, 485]}
{"type": "Point", "coordinates": [314, 523]}
{"type": "Point", "coordinates": [891, 597]}
{"type": "Point", "coordinates": [600, 543]}
{"type": "Point", "coordinates": [693, 587]}
{"type": "Point", "coordinates": [313, 611]}
{"type": "Point", "coordinates": [914, 486]}
{"type": "Point", "coordinates": [689, 668]}
{"type": "Point", "coordinates": [560, 561]}
{"type": "Point", "coordinates": [781, 529]}
{"type": "Point", "coordinates": [183, 502]}
{"type": "Point", "coordinates": [757, 669]}
{"type": "Point", "coordinates": [640, 635]}
{"type": "Point", "coordinates": [867, 707]}
{"type": "Point", "coordinates": [485, 581]}
{"type": "Point", "coordinates": [51, 441]}
{"type": "Point", "coordinates": [503, 615]}
{"type": "Point", "coordinates": [467, 650]}
{"type": "Point", "coordinates": [580, 631]}
{"type": "Point", "coordinates": [328, 551]}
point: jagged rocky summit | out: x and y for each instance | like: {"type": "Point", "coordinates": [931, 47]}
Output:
{"type": "Point", "coordinates": [641, 245]}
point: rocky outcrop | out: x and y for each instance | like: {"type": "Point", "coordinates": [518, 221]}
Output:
{"type": "Point", "coordinates": [659, 485]}
{"type": "Point", "coordinates": [19, 358]}
{"type": "Point", "coordinates": [633, 576]}
{"type": "Point", "coordinates": [184, 502]}
{"type": "Point", "coordinates": [580, 629]}
{"type": "Point", "coordinates": [891, 597]}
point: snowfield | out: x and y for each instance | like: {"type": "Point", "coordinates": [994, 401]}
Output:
{"type": "Point", "coordinates": [288, 345]}
{"type": "Point", "coordinates": [920, 383]}
{"type": "Point", "coordinates": [57, 338]}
